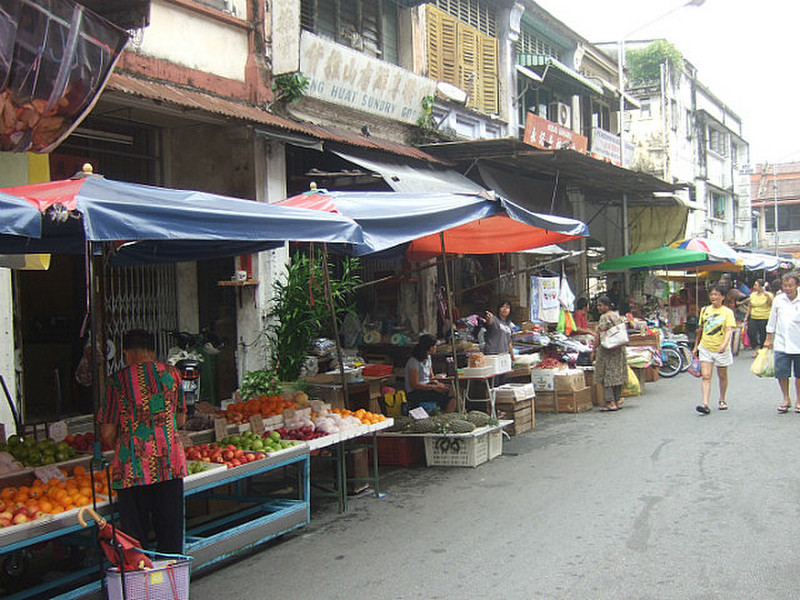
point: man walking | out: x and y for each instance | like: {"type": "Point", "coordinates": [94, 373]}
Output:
{"type": "Point", "coordinates": [143, 409]}
{"type": "Point", "coordinates": [783, 334]}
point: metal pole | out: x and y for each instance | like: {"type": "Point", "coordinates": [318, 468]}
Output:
{"type": "Point", "coordinates": [621, 81]}
{"type": "Point", "coordinates": [459, 406]}
{"type": "Point", "coordinates": [775, 203]}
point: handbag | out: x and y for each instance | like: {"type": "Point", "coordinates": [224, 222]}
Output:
{"type": "Point", "coordinates": [615, 336]}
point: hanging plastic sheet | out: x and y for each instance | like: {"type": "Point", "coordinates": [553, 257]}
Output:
{"type": "Point", "coordinates": [61, 55]}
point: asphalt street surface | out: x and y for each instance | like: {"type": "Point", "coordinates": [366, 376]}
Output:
{"type": "Point", "coordinates": [653, 501]}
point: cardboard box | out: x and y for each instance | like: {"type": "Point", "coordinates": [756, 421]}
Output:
{"type": "Point", "coordinates": [569, 380]}
{"type": "Point", "coordinates": [651, 373]}
{"type": "Point", "coordinates": [513, 391]}
{"type": "Point", "coordinates": [571, 402]}
{"type": "Point", "coordinates": [543, 379]}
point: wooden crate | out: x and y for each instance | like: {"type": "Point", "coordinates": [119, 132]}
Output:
{"type": "Point", "coordinates": [571, 402]}
{"type": "Point", "coordinates": [651, 373]}
{"type": "Point", "coordinates": [521, 411]}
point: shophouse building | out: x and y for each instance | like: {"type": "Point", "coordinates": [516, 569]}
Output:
{"type": "Point", "coordinates": [775, 192]}
{"type": "Point", "coordinates": [685, 134]}
{"type": "Point", "coordinates": [401, 95]}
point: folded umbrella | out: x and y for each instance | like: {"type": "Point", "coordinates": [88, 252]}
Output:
{"type": "Point", "coordinates": [121, 549]}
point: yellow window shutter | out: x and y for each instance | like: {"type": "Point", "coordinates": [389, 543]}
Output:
{"type": "Point", "coordinates": [469, 75]}
{"type": "Point", "coordinates": [490, 93]}
{"type": "Point", "coordinates": [442, 47]}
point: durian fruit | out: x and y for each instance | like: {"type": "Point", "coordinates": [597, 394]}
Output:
{"type": "Point", "coordinates": [423, 426]}
{"type": "Point", "coordinates": [478, 418]}
{"type": "Point", "coordinates": [461, 426]}
{"type": "Point", "coordinates": [400, 424]}
{"type": "Point", "coordinates": [451, 416]}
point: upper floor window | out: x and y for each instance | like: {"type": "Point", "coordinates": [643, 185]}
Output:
{"type": "Point", "coordinates": [530, 43]}
{"type": "Point", "coordinates": [645, 110]}
{"type": "Point", "coordinates": [718, 204]}
{"type": "Point", "coordinates": [718, 141]}
{"type": "Point", "coordinates": [366, 25]}
{"type": "Point", "coordinates": [674, 115]}
{"type": "Point", "coordinates": [463, 56]}
{"type": "Point", "coordinates": [472, 12]}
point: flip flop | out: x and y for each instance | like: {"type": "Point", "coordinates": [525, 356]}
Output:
{"type": "Point", "coordinates": [608, 409]}
{"type": "Point", "coordinates": [722, 405]}
{"type": "Point", "coordinates": [782, 410]}
{"type": "Point", "coordinates": [796, 409]}
{"type": "Point", "coordinates": [702, 409]}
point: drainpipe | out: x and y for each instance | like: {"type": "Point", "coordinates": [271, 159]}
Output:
{"type": "Point", "coordinates": [255, 71]}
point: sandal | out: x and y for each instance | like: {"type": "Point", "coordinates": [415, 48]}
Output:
{"type": "Point", "coordinates": [722, 405]}
{"type": "Point", "coordinates": [608, 409]}
{"type": "Point", "coordinates": [796, 409]}
{"type": "Point", "coordinates": [784, 408]}
{"type": "Point", "coordinates": [703, 409]}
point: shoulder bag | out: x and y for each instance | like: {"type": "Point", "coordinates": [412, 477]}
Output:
{"type": "Point", "coordinates": [615, 336]}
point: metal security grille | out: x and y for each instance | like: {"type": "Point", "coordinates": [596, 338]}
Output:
{"type": "Point", "coordinates": [140, 298]}
{"type": "Point", "coordinates": [471, 12]}
{"type": "Point", "coordinates": [530, 43]}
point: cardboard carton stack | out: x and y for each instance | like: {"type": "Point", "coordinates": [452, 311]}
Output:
{"type": "Point", "coordinates": [516, 400]}
{"type": "Point", "coordinates": [561, 390]}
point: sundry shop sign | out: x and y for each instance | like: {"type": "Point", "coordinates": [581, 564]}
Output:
{"type": "Point", "coordinates": [347, 77]}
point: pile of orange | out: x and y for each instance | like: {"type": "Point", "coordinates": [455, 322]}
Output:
{"type": "Point", "coordinates": [366, 417]}
{"type": "Point", "coordinates": [57, 496]}
{"type": "Point", "coordinates": [266, 406]}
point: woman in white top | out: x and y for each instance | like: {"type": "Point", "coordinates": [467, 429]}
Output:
{"type": "Point", "coordinates": [420, 385]}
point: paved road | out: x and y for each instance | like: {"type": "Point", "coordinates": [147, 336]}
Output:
{"type": "Point", "coordinates": [654, 501]}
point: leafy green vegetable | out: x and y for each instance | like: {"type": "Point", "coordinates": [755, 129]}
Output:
{"type": "Point", "coordinates": [259, 383]}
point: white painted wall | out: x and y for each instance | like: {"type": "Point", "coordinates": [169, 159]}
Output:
{"type": "Point", "coordinates": [204, 44]}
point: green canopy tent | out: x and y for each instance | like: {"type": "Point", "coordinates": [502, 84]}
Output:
{"type": "Point", "coordinates": [676, 258]}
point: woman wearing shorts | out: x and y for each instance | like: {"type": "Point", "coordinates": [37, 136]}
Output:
{"type": "Point", "coordinates": [713, 346]}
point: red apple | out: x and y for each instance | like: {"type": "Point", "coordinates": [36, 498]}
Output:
{"type": "Point", "coordinates": [4, 522]}
{"type": "Point", "coordinates": [260, 455]}
{"type": "Point", "coordinates": [7, 514]}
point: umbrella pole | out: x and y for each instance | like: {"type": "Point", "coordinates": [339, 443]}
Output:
{"type": "Point", "coordinates": [329, 301]}
{"type": "Point", "coordinates": [449, 291]}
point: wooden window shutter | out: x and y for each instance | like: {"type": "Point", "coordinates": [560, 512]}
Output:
{"type": "Point", "coordinates": [490, 77]}
{"type": "Point", "coordinates": [442, 47]}
{"type": "Point", "coordinates": [469, 72]}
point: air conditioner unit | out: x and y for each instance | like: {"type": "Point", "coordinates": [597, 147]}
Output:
{"type": "Point", "coordinates": [560, 113]}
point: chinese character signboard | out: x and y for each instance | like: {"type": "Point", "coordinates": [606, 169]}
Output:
{"type": "Point", "coordinates": [350, 78]}
{"type": "Point", "coordinates": [545, 134]}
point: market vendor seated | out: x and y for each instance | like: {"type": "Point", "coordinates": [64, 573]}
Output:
{"type": "Point", "coordinates": [420, 384]}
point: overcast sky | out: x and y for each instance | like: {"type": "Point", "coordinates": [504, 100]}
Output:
{"type": "Point", "coordinates": [744, 51]}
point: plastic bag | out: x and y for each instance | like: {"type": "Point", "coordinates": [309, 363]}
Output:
{"type": "Point", "coordinates": [632, 386]}
{"type": "Point", "coordinates": [764, 363]}
{"type": "Point", "coordinates": [694, 368]}
{"type": "Point", "coordinates": [745, 338]}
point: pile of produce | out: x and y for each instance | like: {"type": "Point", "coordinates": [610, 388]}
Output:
{"type": "Point", "coordinates": [32, 453]}
{"type": "Point", "coordinates": [39, 499]}
{"type": "Point", "coordinates": [236, 450]}
{"type": "Point", "coordinates": [366, 417]}
{"type": "Point", "coordinates": [548, 363]}
{"type": "Point", "coordinates": [196, 466]}
{"type": "Point", "coordinates": [443, 424]}
{"type": "Point", "coordinates": [82, 442]}
{"type": "Point", "coordinates": [266, 406]}
{"type": "Point", "coordinates": [301, 434]}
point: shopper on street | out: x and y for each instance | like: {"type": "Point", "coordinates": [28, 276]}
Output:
{"type": "Point", "coordinates": [610, 364]}
{"type": "Point", "coordinates": [143, 409]}
{"type": "Point", "coordinates": [759, 305]}
{"type": "Point", "coordinates": [713, 346]}
{"type": "Point", "coordinates": [420, 384]}
{"type": "Point", "coordinates": [783, 334]}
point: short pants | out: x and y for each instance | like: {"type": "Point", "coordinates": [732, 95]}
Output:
{"type": "Point", "coordinates": [720, 359]}
{"type": "Point", "coordinates": [785, 364]}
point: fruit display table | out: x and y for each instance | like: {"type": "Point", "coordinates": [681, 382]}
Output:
{"type": "Point", "coordinates": [258, 518]}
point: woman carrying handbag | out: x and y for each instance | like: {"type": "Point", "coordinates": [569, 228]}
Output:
{"type": "Point", "coordinates": [610, 359]}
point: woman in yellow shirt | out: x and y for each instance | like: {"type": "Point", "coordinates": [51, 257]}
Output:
{"type": "Point", "coordinates": [759, 305]}
{"type": "Point", "coordinates": [712, 345]}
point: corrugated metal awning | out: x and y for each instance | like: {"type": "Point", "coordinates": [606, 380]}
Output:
{"type": "Point", "coordinates": [543, 65]}
{"type": "Point", "coordinates": [188, 98]}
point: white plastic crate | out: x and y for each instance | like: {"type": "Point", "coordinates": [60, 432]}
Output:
{"type": "Point", "coordinates": [495, 444]}
{"type": "Point", "coordinates": [460, 451]}
{"type": "Point", "coordinates": [500, 363]}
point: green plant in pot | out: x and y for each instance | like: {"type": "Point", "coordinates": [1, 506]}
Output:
{"type": "Point", "coordinates": [300, 313]}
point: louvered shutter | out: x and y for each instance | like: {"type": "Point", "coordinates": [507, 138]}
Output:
{"type": "Point", "coordinates": [490, 80]}
{"type": "Point", "coordinates": [469, 76]}
{"type": "Point", "coordinates": [442, 46]}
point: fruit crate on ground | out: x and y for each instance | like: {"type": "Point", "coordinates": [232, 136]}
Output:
{"type": "Point", "coordinates": [457, 451]}
{"type": "Point", "coordinates": [571, 402]}
{"type": "Point", "coordinates": [521, 412]}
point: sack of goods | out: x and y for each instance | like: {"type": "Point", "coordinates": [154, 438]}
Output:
{"type": "Point", "coordinates": [476, 360]}
{"type": "Point", "coordinates": [764, 363]}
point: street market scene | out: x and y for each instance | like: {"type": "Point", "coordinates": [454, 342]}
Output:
{"type": "Point", "coordinates": [390, 298]}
